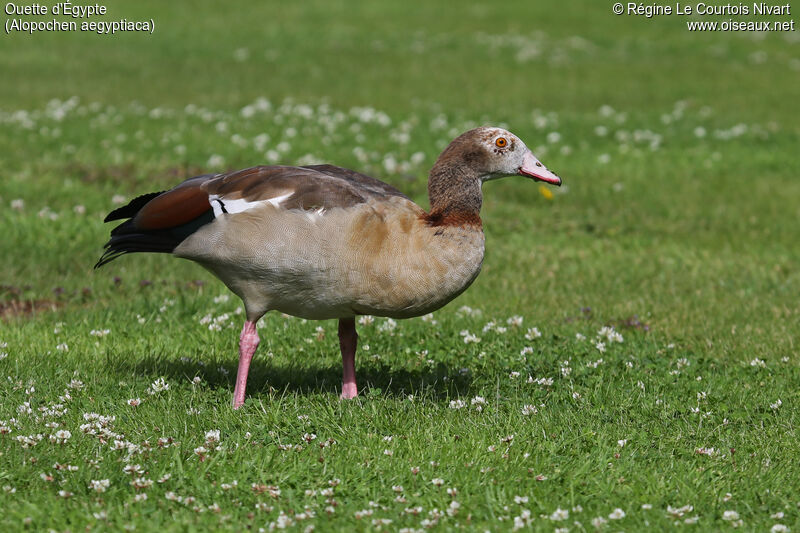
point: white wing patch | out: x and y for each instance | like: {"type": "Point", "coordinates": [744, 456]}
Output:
{"type": "Point", "coordinates": [315, 214]}
{"type": "Point", "coordinates": [222, 205]}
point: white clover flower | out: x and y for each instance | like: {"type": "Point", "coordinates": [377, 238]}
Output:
{"type": "Point", "coordinates": [469, 337]}
{"type": "Point", "coordinates": [515, 321]}
{"type": "Point", "coordinates": [606, 111]}
{"type": "Point", "coordinates": [388, 325]}
{"type": "Point", "coordinates": [553, 137]}
{"type": "Point", "coordinates": [99, 485]}
{"type": "Point", "coordinates": [133, 469]}
{"type": "Point", "coordinates": [617, 514]}
{"type": "Point", "coordinates": [533, 333]}
{"type": "Point", "coordinates": [260, 141]}
{"type": "Point", "coordinates": [601, 347]}
{"type": "Point", "coordinates": [216, 160]}
{"type": "Point", "coordinates": [29, 441]}
{"type": "Point", "coordinates": [730, 515]}
{"type": "Point", "coordinates": [60, 436]}
{"type": "Point", "coordinates": [610, 334]}
{"type": "Point", "coordinates": [678, 512]}
{"type": "Point", "coordinates": [467, 310]}
{"type": "Point", "coordinates": [159, 385]}
{"type": "Point", "coordinates": [141, 483]}
{"type": "Point", "coordinates": [559, 514]}
{"type": "Point", "coordinates": [453, 508]}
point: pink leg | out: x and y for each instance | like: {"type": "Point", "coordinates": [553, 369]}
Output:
{"type": "Point", "coordinates": [348, 340]}
{"type": "Point", "coordinates": [248, 342]}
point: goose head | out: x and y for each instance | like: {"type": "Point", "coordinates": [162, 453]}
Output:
{"type": "Point", "coordinates": [507, 155]}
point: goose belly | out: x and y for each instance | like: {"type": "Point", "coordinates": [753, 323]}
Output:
{"type": "Point", "coordinates": [334, 266]}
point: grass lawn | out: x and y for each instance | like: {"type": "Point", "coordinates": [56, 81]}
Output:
{"type": "Point", "coordinates": [627, 359]}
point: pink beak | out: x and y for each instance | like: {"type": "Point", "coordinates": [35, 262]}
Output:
{"type": "Point", "coordinates": [534, 168]}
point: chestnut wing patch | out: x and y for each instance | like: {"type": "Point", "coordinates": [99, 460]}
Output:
{"type": "Point", "coordinates": [175, 207]}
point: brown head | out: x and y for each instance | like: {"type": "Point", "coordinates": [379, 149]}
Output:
{"type": "Point", "coordinates": [479, 155]}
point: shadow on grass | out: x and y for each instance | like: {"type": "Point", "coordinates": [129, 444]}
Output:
{"type": "Point", "coordinates": [438, 382]}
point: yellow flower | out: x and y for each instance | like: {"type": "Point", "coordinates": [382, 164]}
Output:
{"type": "Point", "coordinates": [547, 193]}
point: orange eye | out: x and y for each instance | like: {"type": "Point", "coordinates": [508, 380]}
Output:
{"type": "Point", "coordinates": [501, 142]}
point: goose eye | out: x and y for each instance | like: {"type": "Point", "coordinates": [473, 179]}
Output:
{"type": "Point", "coordinates": [501, 142]}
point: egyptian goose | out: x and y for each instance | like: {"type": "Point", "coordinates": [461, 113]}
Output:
{"type": "Point", "coordinates": [323, 242]}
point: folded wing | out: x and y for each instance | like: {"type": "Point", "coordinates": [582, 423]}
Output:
{"type": "Point", "coordinates": [159, 222]}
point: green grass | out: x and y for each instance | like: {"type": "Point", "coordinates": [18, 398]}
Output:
{"type": "Point", "coordinates": [677, 225]}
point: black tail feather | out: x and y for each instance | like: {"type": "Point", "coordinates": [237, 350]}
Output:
{"type": "Point", "coordinates": [133, 207]}
{"type": "Point", "coordinates": [127, 238]}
